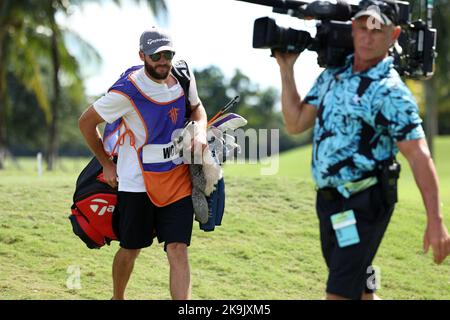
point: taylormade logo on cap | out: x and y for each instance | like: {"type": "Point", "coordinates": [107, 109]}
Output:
{"type": "Point", "coordinates": [166, 40]}
{"type": "Point", "coordinates": [154, 41]}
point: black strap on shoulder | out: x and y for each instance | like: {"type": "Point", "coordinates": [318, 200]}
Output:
{"type": "Point", "coordinates": [181, 72]}
{"type": "Point", "coordinates": [364, 85]}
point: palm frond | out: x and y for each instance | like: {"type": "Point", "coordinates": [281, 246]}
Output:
{"type": "Point", "coordinates": [27, 46]}
{"type": "Point", "coordinates": [85, 53]}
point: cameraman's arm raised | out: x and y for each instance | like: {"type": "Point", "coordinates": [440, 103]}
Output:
{"type": "Point", "coordinates": [298, 115]}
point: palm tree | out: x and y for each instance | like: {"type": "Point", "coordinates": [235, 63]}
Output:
{"type": "Point", "coordinates": [54, 6]}
{"type": "Point", "coordinates": [17, 55]}
{"type": "Point", "coordinates": [19, 25]}
{"type": "Point", "coordinates": [435, 91]}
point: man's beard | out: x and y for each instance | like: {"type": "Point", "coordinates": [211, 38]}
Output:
{"type": "Point", "coordinates": [154, 74]}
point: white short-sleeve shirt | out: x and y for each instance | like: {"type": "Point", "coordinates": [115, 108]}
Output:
{"type": "Point", "coordinates": [114, 105]}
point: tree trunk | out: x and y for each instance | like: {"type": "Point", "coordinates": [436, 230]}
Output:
{"type": "Point", "coordinates": [53, 143]}
{"type": "Point", "coordinates": [431, 115]}
{"type": "Point", "coordinates": [3, 103]}
{"type": "Point", "coordinates": [2, 129]}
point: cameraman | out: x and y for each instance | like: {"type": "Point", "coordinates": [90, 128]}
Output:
{"type": "Point", "coordinates": [362, 114]}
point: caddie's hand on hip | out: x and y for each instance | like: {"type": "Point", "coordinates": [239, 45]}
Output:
{"type": "Point", "coordinates": [110, 174]}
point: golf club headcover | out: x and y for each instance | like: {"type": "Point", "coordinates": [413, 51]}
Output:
{"type": "Point", "coordinates": [229, 121]}
{"type": "Point", "coordinates": [212, 171]}
{"type": "Point", "coordinates": [199, 201]}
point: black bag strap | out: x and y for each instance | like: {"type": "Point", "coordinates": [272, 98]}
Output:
{"type": "Point", "coordinates": [182, 74]}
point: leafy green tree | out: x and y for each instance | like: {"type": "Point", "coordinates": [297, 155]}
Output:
{"type": "Point", "coordinates": [57, 51]}
{"type": "Point", "coordinates": [436, 92]}
{"type": "Point", "coordinates": [40, 71]}
{"type": "Point", "coordinates": [19, 43]}
{"type": "Point", "coordinates": [211, 89]}
{"type": "Point", "coordinates": [258, 106]}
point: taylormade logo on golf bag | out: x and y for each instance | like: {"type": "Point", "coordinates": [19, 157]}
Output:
{"type": "Point", "coordinates": [100, 206]}
{"type": "Point", "coordinates": [94, 202]}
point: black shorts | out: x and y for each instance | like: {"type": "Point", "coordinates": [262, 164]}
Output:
{"type": "Point", "coordinates": [349, 272]}
{"type": "Point", "coordinates": [136, 221]}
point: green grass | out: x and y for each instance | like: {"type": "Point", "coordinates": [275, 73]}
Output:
{"type": "Point", "coordinates": [267, 248]}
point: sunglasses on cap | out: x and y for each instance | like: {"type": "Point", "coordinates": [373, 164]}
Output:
{"type": "Point", "coordinates": [168, 55]}
{"type": "Point", "coordinates": [388, 8]}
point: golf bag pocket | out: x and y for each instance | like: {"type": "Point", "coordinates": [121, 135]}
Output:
{"type": "Point", "coordinates": [94, 202]}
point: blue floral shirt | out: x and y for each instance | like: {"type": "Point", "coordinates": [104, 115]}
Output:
{"type": "Point", "coordinates": [360, 117]}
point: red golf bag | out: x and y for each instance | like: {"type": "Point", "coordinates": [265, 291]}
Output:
{"type": "Point", "coordinates": [94, 202]}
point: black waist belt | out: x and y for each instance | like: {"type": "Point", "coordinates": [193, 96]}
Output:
{"type": "Point", "coordinates": [330, 194]}
{"type": "Point", "coordinates": [362, 184]}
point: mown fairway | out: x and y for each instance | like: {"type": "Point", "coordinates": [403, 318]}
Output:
{"type": "Point", "coordinates": [267, 247]}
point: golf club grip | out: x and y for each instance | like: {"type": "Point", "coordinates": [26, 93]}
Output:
{"type": "Point", "coordinates": [230, 104]}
